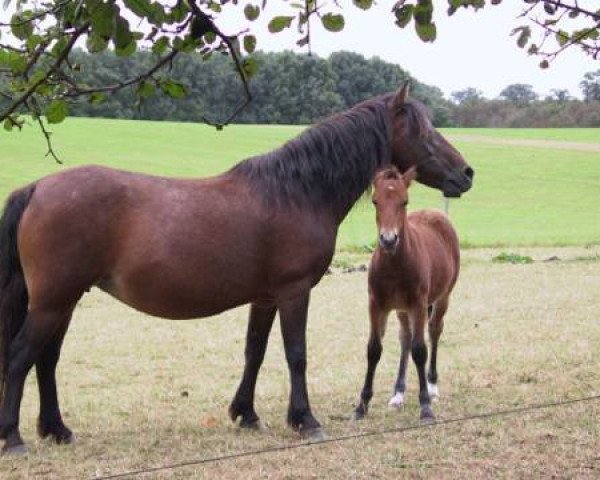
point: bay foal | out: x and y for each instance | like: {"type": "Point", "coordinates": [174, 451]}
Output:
{"type": "Point", "coordinates": [413, 271]}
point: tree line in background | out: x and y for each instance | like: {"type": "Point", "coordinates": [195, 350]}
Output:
{"type": "Point", "coordinates": [290, 88]}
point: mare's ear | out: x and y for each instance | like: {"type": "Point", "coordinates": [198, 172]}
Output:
{"type": "Point", "coordinates": [401, 95]}
{"type": "Point", "coordinates": [409, 176]}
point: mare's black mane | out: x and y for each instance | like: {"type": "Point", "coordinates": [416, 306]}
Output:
{"type": "Point", "coordinates": [332, 162]}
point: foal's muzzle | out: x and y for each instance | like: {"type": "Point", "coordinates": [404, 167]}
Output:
{"type": "Point", "coordinates": [458, 182]}
{"type": "Point", "coordinates": [388, 240]}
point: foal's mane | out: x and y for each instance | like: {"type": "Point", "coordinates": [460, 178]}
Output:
{"type": "Point", "coordinates": [332, 162]}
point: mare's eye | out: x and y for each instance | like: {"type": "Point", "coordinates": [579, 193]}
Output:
{"type": "Point", "coordinates": [404, 204]}
{"type": "Point", "coordinates": [374, 202]}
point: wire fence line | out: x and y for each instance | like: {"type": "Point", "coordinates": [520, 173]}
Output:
{"type": "Point", "coordinates": [293, 446]}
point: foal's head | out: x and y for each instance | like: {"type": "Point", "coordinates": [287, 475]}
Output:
{"type": "Point", "coordinates": [390, 197]}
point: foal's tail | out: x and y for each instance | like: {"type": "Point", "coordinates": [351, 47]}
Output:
{"type": "Point", "coordinates": [13, 292]}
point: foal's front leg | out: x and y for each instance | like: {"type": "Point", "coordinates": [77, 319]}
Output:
{"type": "Point", "coordinates": [377, 317]}
{"type": "Point", "coordinates": [259, 326]}
{"type": "Point", "coordinates": [293, 315]}
{"type": "Point", "coordinates": [405, 343]}
{"type": "Point", "coordinates": [418, 319]}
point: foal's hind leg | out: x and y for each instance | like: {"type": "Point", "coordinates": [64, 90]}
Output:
{"type": "Point", "coordinates": [50, 422]}
{"type": "Point", "coordinates": [436, 326]}
{"type": "Point", "coordinates": [418, 319]}
{"type": "Point", "coordinates": [405, 339]}
{"type": "Point", "coordinates": [257, 337]}
{"type": "Point", "coordinates": [24, 351]}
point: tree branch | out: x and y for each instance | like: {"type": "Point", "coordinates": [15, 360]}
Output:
{"type": "Point", "coordinates": [55, 66]}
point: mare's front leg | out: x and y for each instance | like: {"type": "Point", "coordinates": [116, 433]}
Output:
{"type": "Point", "coordinates": [418, 319]}
{"type": "Point", "coordinates": [405, 346]}
{"type": "Point", "coordinates": [378, 318]}
{"type": "Point", "coordinates": [259, 326]}
{"type": "Point", "coordinates": [293, 316]}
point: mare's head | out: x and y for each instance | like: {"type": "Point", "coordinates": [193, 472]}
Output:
{"type": "Point", "coordinates": [390, 197]}
{"type": "Point", "coordinates": [417, 143]}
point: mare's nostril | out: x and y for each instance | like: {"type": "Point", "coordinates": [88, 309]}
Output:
{"type": "Point", "coordinates": [469, 172]}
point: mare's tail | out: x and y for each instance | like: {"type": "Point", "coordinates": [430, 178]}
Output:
{"type": "Point", "coordinates": [13, 292]}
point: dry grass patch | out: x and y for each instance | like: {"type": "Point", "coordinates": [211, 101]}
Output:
{"type": "Point", "coordinates": [142, 392]}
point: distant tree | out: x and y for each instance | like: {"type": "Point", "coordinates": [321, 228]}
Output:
{"type": "Point", "coordinates": [469, 94]}
{"type": "Point", "coordinates": [590, 86]}
{"type": "Point", "coordinates": [519, 94]}
{"type": "Point", "coordinates": [560, 95]}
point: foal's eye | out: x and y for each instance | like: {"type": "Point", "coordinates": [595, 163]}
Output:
{"type": "Point", "coordinates": [374, 202]}
{"type": "Point", "coordinates": [404, 204]}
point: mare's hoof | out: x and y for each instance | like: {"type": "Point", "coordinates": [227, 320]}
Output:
{"type": "Point", "coordinates": [18, 450]}
{"type": "Point", "coordinates": [255, 425]}
{"type": "Point", "coordinates": [427, 415]}
{"type": "Point", "coordinates": [397, 401]}
{"type": "Point", "coordinates": [69, 439]}
{"type": "Point", "coordinates": [313, 435]}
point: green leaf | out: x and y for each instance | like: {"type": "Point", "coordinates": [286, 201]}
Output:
{"type": "Point", "coordinates": [363, 4]}
{"type": "Point", "coordinates": [251, 12]}
{"type": "Point", "coordinates": [20, 25]}
{"type": "Point", "coordinates": [524, 37]}
{"type": "Point", "coordinates": [333, 22]}
{"type": "Point", "coordinates": [544, 64]}
{"type": "Point", "coordinates": [146, 89]}
{"type": "Point", "coordinates": [8, 125]}
{"type": "Point", "coordinates": [427, 32]}
{"type": "Point", "coordinates": [250, 66]}
{"type": "Point", "coordinates": [562, 37]}
{"type": "Point", "coordinates": [57, 111]}
{"type": "Point", "coordinates": [94, 43]}
{"type": "Point", "coordinates": [103, 20]}
{"type": "Point", "coordinates": [249, 43]}
{"type": "Point", "coordinates": [127, 50]}
{"type": "Point", "coordinates": [277, 24]}
{"type": "Point", "coordinates": [96, 98]}
{"type": "Point", "coordinates": [141, 8]}
{"type": "Point", "coordinates": [173, 89]}
{"type": "Point", "coordinates": [404, 15]}
{"type": "Point", "coordinates": [122, 37]}
{"type": "Point", "coordinates": [160, 45]}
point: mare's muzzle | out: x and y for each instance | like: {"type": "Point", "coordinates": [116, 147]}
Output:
{"type": "Point", "coordinates": [458, 182]}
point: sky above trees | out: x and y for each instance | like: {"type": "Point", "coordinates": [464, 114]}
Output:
{"type": "Point", "coordinates": [473, 49]}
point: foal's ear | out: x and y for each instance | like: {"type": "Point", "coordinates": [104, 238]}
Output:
{"type": "Point", "coordinates": [409, 176]}
{"type": "Point", "coordinates": [401, 95]}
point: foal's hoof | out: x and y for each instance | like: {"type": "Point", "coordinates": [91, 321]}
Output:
{"type": "Point", "coordinates": [313, 435]}
{"type": "Point", "coordinates": [397, 401]}
{"type": "Point", "coordinates": [19, 450]}
{"type": "Point", "coordinates": [427, 415]}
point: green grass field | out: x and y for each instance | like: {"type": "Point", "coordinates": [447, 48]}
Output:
{"type": "Point", "coordinates": [523, 195]}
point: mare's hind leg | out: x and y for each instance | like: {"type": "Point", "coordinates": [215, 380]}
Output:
{"type": "Point", "coordinates": [25, 349]}
{"type": "Point", "coordinates": [50, 422]}
{"type": "Point", "coordinates": [378, 318]}
{"type": "Point", "coordinates": [405, 339]}
{"type": "Point", "coordinates": [257, 337]}
{"type": "Point", "coordinates": [436, 326]}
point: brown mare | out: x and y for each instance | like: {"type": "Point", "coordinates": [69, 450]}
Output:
{"type": "Point", "coordinates": [413, 271]}
{"type": "Point", "coordinates": [262, 233]}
